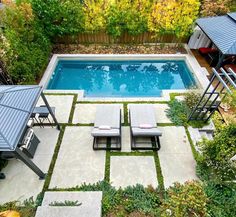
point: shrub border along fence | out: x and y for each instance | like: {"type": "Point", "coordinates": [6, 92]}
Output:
{"type": "Point", "coordinates": [125, 38]}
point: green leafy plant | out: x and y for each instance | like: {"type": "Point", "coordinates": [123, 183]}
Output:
{"type": "Point", "coordinates": [128, 16]}
{"type": "Point", "coordinates": [185, 200]}
{"type": "Point", "coordinates": [178, 112]}
{"type": "Point", "coordinates": [58, 17]}
{"type": "Point", "coordinates": [191, 98]}
{"type": "Point", "coordinates": [24, 45]}
{"type": "Point", "coordinates": [214, 163]}
{"type": "Point", "coordinates": [221, 199]}
{"type": "Point", "coordinates": [65, 203]}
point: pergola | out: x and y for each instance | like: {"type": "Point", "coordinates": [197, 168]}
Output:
{"type": "Point", "coordinates": [221, 30]}
{"type": "Point", "coordinates": [17, 103]}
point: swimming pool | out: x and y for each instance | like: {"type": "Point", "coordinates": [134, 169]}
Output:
{"type": "Point", "coordinates": [121, 78]}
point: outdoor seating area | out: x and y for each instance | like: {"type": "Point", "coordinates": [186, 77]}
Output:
{"type": "Point", "coordinates": [118, 108]}
{"type": "Point", "coordinates": [77, 147]}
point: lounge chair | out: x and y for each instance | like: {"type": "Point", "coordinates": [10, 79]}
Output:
{"type": "Point", "coordinates": [143, 125]}
{"type": "Point", "coordinates": [107, 127]}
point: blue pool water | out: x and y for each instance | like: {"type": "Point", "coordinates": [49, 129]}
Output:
{"type": "Point", "coordinates": [146, 78]}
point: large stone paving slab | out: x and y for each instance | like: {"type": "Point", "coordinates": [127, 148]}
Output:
{"type": "Point", "coordinates": [176, 158]}
{"type": "Point", "coordinates": [63, 104]}
{"type": "Point", "coordinates": [91, 204]}
{"type": "Point", "coordinates": [131, 170]}
{"type": "Point", "coordinates": [85, 113]}
{"type": "Point", "coordinates": [160, 112]}
{"type": "Point", "coordinates": [77, 162]}
{"type": "Point", "coordinates": [21, 182]}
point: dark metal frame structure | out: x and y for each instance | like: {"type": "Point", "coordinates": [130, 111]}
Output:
{"type": "Point", "coordinates": [12, 144]}
{"type": "Point", "coordinates": [211, 97]}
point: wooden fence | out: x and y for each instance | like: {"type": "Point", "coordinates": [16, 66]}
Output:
{"type": "Point", "coordinates": [104, 38]}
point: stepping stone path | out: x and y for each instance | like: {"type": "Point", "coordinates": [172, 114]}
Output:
{"type": "Point", "coordinates": [91, 204]}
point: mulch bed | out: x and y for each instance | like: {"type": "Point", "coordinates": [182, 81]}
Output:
{"type": "Point", "coordinates": [117, 49]}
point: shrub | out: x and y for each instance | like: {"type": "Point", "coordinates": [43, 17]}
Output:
{"type": "Point", "coordinates": [126, 201]}
{"type": "Point", "coordinates": [58, 17]}
{"type": "Point", "coordinates": [221, 199]}
{"type": "Point", "coordinates": [215, 164]}
{"type": "Point", "coordinates": [95, 15]}
{"type": "Point", "coordinates": [173, 17]}
{"type": "Point", "coordinates": [185, 200]}
{"type": "Point", "coordinates": [178, 112]}
{"type": "Point", "coordinates": [191, 98]}
{"type": "Point", "coordinates": [216, 7]}
{"type": "Point", "coordinates": [127, 15]}
{"type": "Point", "coordinates": [26, 48]}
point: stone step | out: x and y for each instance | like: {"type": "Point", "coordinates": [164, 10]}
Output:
{"type": "Point", "coordinates": [65, 211]}
{"type": "Point", "coordinates": [91, 204]}
{"type": "Point", "coordinates": [210, 128]}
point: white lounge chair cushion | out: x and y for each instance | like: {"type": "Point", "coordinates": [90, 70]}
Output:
{"type": "Point", "coordinates": [145, 126]}
{"type": "Point", "coordinates": [146, 132]}
{"type": "Point", "coordinates": [104, 127]}
{"type": "Point", "coordinates": [105, 133]}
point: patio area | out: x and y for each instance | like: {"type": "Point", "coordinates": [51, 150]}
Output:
{"type": "Point", "coordinates": [77, 163]}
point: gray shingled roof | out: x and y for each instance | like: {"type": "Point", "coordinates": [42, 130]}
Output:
{"type": "Point", "coordinates": [16, 106]}
{"type": "Point", "coordinates": [222, 31]}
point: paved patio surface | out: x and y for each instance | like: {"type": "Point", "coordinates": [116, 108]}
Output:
{"type": "Point", "coordinates": [85, 113]}
{"type": "Point", "coordinates": [90, 201]}
{"type": "Point", "coordinates": [77, 163]}
{"type": "Point", "coordinates": [160, 112]}
{"type": "Point", "coordinates": [131, 170]}
{"type": "Point", "coordinates": [21, 182]}
{"type": "Point", "coordinates": [176, 158]}
{"type": "Point", "coordinates": [63, 104]}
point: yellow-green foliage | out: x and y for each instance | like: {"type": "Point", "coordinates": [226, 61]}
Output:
{"type": "Point", "coordinates": [128, 15]}
{"type": "Point", "coordinates": [173, 17]}
{"type": "Point", "coordinates": [95, 15]}
{"type": "Point", "coordinates": [184, 200]}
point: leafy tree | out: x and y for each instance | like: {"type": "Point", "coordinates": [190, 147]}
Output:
{"type": "Point", "coordinates": [216, 7]}
{"type": "Point", "coordinates": [214, 163]}
{"type": "Point", "coordinates": [95, 15]}
{"type": "Point", "coordinates": [173, 17]}
{"type": "Point", "coordinates": [59, 17]}
{"type": "Point", "coordinates": [128, 15]}
{"type": "Point", "coordinates": [25, 48]}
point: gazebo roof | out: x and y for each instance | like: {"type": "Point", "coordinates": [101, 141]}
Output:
{"type": "Point", "coordinates": [16, 105]}
{"type": "Point", "coordinates": [221, 30]}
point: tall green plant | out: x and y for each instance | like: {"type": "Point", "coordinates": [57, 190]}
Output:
{"type": "Point", "coordinates": [215, 164]}
{"type": "Point", "coordinates": [59, 17]}
{"type": "Point", "coordinates": [24, 44]}
{"type": "Point", "coordinates": [173, 17]}
{"type": "Point", "coordinates": [129, 16]}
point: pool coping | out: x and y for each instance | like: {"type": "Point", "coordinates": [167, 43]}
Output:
{"type": "Point", "coordinates": [191, 61]}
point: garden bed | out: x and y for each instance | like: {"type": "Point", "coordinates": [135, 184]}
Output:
{"type": "Point", "coordinates": [118, 49]}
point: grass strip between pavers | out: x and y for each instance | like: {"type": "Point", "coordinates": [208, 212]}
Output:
{"type": "Point", "coordinates": [53, 161]}
{"type": "Point", "coordinates": [72, 109]}
{"type": "Point", "coordinates": [160, 177]}
{"type": "Point", "coordinates": [194, 151]}
{"type": "Point", "coordinates": [107, 166]}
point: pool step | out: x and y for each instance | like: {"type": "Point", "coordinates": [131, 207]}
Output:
{"type": "Point", "coordinates": [88, 204]}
